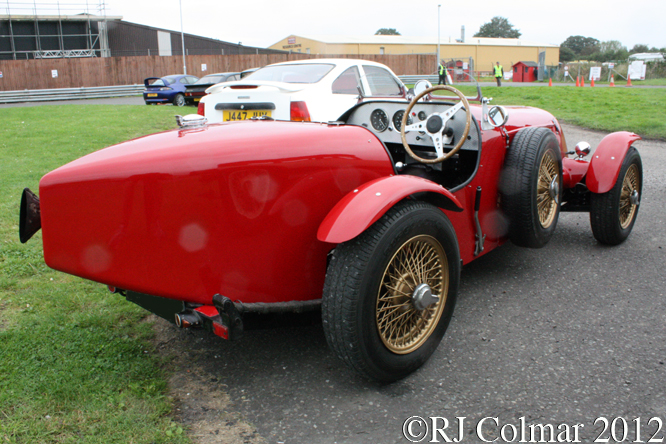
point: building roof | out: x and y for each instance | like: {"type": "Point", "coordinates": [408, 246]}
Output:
{"type": "Point", "coordinates": [532, 64]}
{"type": "Point", "coordinates": [647, 56]}
{"type": "Point", "coordinates": [408, 40]}
{"type": "Point", "coordinates": [45, 18]}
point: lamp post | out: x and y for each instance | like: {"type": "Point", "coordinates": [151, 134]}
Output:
{"type": "Point", "coordinates": [182, 36]}
{"type": "Point", "coordinates": [438, 28]}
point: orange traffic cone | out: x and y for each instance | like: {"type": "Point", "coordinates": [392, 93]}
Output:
{"type": "Point", "coordinates": [592, 82]}
{"type": "Point", "coordinates": [550, 82]}
{"type": "Point", "coordinates": [612, 83]}
{"type": "Point", "coordinates": [582, 81]}
{"type": "Point", "coordinates": [577, 80]}
{"type": "Point", "coordinates": [629, 80]}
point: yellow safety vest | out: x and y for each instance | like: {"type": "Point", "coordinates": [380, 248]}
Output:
{"type": "Point", "coordinates": [498, 71]}
{"type": "Point", "coordinates": [441, 69]}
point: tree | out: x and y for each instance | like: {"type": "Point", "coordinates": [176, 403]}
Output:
{"type": "Point", "coordinates": [609, 51]}
{"type": "Point", "coordinates": [387, 31]}
{"type": "Point", "coordinates": [498, 27]}
{"type": "Point", "coordinates": [640, 48]}
{"type": "Point", "coordinates": [582, 47]}
{"type": "Point", "coordinates": [566, 54]}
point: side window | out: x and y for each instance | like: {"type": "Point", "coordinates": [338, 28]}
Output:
{"type": "Point", "coordinates": [348, 82]}
{"type": "Point", "coordinates": [234, 77]}
{"type": "Point", "coordinates": [183, 80]}
{"type": "Point", "coordinates": [382, 83]}
{"type": "Point", "coordinates": [192, 79]}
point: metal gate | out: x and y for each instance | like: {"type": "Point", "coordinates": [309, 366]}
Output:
{"type": "Point", "coordinates": [542, 66]}
{"type": "Point", "coordinates": [460, 70]}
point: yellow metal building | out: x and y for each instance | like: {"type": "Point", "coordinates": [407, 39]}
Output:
{"type": "Point", "coordinates": [484, 51]}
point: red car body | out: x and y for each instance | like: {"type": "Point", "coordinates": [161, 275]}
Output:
{"type": "Point", "coordinates": [252, 210]}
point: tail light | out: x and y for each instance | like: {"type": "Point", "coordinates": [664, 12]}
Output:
{"type": "Point", "coordinates": [299, 112]}
{"type": "Point", "coordinates": [200, 109]}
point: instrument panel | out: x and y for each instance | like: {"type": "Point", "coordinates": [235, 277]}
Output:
{"type": "Point", "coordinates": [384, 119]}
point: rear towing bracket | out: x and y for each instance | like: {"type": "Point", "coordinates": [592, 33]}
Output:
{"type": "Point", "coordinates": [229, 321]}
{"type": "Point", "coordinates": [222, 318]}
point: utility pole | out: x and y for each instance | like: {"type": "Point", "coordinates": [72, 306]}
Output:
{"type": "Point", "coordinates": [182, 36]}
{"type": "Point", "coordinates": [438, 28]}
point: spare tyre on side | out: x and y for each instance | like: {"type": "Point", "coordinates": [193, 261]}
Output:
{"type": "Point", "coordinates": [531, 186]}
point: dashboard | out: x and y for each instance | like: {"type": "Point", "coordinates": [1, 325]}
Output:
{"type": "Point", "coordinates": [384, 119]}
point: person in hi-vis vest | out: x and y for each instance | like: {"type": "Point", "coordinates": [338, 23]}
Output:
{"type": "Point", "coordinates": [442, 74]}
{"type": "Point", "coordinates": [499, 73]}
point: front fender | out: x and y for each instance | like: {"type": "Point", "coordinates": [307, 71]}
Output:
{"type": "Point", "coordinates": [607, 160]}
{"type": "Point", "coordinates": [360, 208]}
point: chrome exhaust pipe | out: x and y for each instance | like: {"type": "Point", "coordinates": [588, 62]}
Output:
{"type": "Point", "coordinates": [30, 220]}
{"type": "Point", "coordinates": [187, 319]}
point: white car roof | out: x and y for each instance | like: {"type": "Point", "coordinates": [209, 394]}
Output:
{"type": "Point", "coordinates": [337, 62]}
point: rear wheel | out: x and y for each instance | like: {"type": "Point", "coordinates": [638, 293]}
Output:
{"type": "Point", "coordinates": [531, 186]}
{"type": "Point", "coordinates": [179, 100]}
{"type": "Point", "coordinates": [390, 292]}
{"type": "Point", "coordinates": [612, 214]}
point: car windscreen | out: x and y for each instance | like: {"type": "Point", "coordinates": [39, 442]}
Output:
{"type": "Point", "coordinates": [306, 73]}
{"type": "Point", "coordinates": [209, 79]}
{"type": "Point", "coordinates": [159, 82]}
{"type": "Point", "coordinates": [382, 83]}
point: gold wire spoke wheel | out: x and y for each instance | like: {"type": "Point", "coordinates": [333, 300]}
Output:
{"type": "Point", "coordinates": [629, 185]}
{"type": "Point", "coordinates": [546, 202]}
{"type": "Point", "coordinates": [403, 328]}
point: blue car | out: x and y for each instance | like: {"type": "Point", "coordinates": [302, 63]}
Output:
{"type": "Point", "coordinates": [167, 89]}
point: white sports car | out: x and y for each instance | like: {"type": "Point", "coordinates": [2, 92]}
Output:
{"type": "Point", "coordinates": [319, 90]}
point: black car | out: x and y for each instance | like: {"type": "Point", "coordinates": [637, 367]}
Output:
{"type": "Point", "coordinates": [194, 92]}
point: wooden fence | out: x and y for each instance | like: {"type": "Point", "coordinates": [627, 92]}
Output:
{"type": "Point", "coordinates": [111, 71]}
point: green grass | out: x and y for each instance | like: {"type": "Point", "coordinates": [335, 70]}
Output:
{"type": "Point", "coordinates": [76, 363]}
{"type": "Point", "coordinates": [605, 109]}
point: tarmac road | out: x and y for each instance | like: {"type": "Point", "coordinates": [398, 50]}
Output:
{"type": "Point", "coordinates": [570, 335]}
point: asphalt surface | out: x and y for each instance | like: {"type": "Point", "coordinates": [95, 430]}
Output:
{"type": "Point", "coordinates": [570, 335]}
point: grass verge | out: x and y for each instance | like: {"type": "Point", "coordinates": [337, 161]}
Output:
{"type": "Point", "coordinates": [605, 109]}
{"type": "Point", "coordinates": [76, 364]}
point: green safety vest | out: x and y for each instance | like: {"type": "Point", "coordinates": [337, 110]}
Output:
{"type": "Point", "coordinates": [441, 69]}
{"type": "Point", "coordinates": [498, 71]}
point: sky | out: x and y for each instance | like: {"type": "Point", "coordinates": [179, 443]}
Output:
{"type": "Point", "coordinates": [265, 22]}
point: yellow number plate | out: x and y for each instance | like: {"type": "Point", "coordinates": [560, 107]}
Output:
{"type": "Point", "coordinates": [151, 95]}
{"type": "Point", "coordinates": [234, 115]}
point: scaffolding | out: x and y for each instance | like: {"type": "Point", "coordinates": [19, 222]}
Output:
{"type": "Point", "coordinates": [48, 30]}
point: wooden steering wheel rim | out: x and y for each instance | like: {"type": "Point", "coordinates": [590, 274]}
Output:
{"type": "Point", "coordinates": [468, 124]}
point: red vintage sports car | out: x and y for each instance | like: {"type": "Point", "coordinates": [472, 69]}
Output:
{"type": "Point", "coordinates": [369, 218]}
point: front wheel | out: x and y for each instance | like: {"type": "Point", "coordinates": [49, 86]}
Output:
{"type": "Point", "coordinates": [179, 100]}
{"type": "Point", "coordinates": [612, 214]}
{"type": "Point", "coordinates": [390, 292]}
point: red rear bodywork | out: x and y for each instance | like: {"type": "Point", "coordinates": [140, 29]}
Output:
{"type": "Point", "coordinates": [231, 209]}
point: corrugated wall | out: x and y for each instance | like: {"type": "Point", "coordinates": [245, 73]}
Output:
{"type": "Point", "coordinates": [109, 71]}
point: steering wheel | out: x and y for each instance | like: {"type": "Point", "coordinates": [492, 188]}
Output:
{"type": "Point", "coordinates": [435, 125]}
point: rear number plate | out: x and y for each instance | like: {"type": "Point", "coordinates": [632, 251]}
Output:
{"type": "Point", "coordinates": [233, 115]}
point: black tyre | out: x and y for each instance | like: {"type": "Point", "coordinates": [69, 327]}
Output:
{"type": "Point", "coordinates": [531, 186]}
{"type": "Point", "coordinates": [612, 214]}
{"type": "Point", "coordinates": [179, 100]}
{"type": "Point", "coordinates": [378, 310]}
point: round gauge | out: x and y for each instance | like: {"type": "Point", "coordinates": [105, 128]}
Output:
{"type": "Point", "coordinates": [422, 115]}
{"type": "Point", "coordinates": [379, 120]}
{"type": "Point", "coordinates": [397, 119]}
